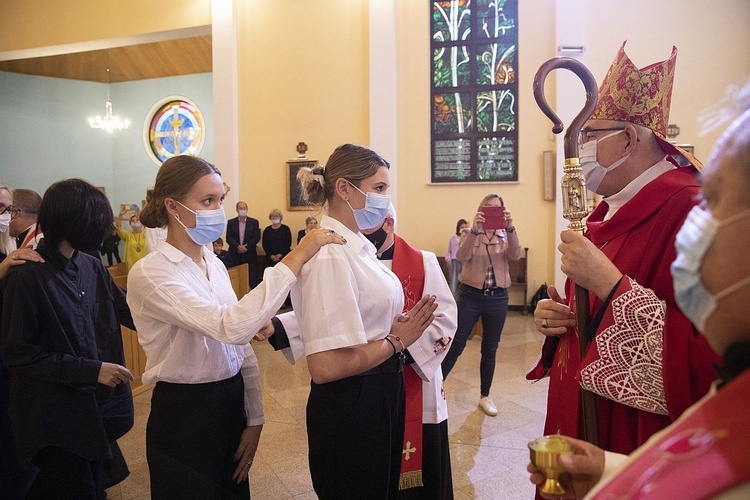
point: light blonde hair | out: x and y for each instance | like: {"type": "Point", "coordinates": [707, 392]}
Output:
{"type": "Point", "coordinates": [275, 211]}
{"type": "Point", "coordinates": [488, 198]}
{"type": "Point", "coordinates": [349, 161]}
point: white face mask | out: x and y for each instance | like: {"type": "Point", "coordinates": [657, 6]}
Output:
{"type": "Point", "coordinates": [375, 210]}
{"type": "Point", "coordinates": [209, 225]}
{"type": "Point", "coordinates": [136, 226]}
{"type": "Point", "coordinates": [593, 171]}
{"type": "Point", "coordinates": [693, 240]}
{"type": "Point", "coordinates": [4, 222]}
{"type": "Point", "coordinates": [242, 213]}
{"type": "Point", "coordinates": [275, 221]}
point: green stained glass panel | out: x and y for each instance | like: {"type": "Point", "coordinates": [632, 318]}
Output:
{"type": "Point", "coordinates": [451, 20]}
{"type": "Point", "coordinates": [451, 66]}
{"type": "Point", "coordinates": [496, 64]}
{"type": "Point", "coordinates": [495, 111]}
{"type": "Point", "coordinates": [452, 113]}
{"type": "Point", "coordinates": [496, 18]}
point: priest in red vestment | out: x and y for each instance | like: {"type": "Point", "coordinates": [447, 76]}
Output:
{"type": "Point", "coordinates": [645, 362]}
{"type": "Point", "coordinates": [704, 453]}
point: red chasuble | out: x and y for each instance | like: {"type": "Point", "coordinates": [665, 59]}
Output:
{"type": "Point", "coordinates": [703, 454]}
{"type": "Point", "coordinates": [646, 362]}
{"type": "Point", "coordinates": [408, 265]}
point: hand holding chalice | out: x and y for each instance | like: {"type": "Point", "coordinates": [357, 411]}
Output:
{"type": "Point", "coordinates": [544, 454]}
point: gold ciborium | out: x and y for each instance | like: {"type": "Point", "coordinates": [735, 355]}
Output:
{"type": "Point", "coordinates": [544, 453]}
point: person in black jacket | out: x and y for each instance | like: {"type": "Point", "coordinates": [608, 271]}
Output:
{"type": "Point", "coordinates": [277, 238]}
{"type": "Point", "coordinates": [310, 224]}
{"type": "Point", "coordinates": [243, 234]}
{"type": "Point", "coordinates": [60, 340]}
{"type": "Point", "coordinates": [111, 247]}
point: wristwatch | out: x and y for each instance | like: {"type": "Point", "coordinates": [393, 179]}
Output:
{"type": "Point", "coordinates": [510, 230]}
{"type": "Point", "coordinates": [474, 231]}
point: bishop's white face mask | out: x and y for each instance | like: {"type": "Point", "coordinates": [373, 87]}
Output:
{"type": "Point", "coordinates": [693, 240]}
{"type": "Point", "coordinates": [593, 171]}
{"type": "Point", "coordinates": [209, 225]}
{"type": "Point", "coordinates": [4, 222]}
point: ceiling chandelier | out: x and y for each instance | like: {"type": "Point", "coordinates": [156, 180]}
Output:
{"type": "Point", "coordinates": [109, 122]}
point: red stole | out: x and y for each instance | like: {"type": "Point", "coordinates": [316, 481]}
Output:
{"type": "Point", "coordinates": [408, 265]}
{"type": "Point", "coordinates": [31, 236]}
{"type": "Point", "coordinates": [700, 456]}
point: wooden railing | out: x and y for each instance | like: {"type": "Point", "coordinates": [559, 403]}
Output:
{"type": "Point", "coordinates": [135, 357]}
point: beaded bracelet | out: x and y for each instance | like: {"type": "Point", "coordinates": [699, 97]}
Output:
{"type": "Point", "coordinates": [398, 339]}
{"type": "Point", "coordinates": [392, 345]}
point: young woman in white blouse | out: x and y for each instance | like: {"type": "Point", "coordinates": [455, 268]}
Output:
{"type": "Point", "coordinates": [206, 409]}
{"type": "Point", "coordinates": [348, 305]}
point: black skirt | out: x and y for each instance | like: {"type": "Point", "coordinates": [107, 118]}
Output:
{"type": "Point", "coordinates": [193, 431]}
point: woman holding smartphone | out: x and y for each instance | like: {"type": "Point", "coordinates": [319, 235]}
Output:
{"type": "Point", "coordinates": [483, 288]}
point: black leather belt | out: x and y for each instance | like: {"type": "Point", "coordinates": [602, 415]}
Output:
{"type": "Point", "coordinates": [394, 364]}
{"type": "Point", "coordinates": [487, 292]}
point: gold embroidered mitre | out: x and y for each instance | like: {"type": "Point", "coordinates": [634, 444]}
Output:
{"type": "Point", "coordinates": [640, 96]}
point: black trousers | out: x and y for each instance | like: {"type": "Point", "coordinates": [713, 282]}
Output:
{"type": "Point", "coordinates": [355, 429]}
{"type": "Point", "coordinates": [192, 433]}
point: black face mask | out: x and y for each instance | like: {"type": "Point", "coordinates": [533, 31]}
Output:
{"type": "Point", "coordinates": [378, 237]}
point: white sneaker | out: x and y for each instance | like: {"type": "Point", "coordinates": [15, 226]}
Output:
{"type": "Point", "coordinates": [488, 406]}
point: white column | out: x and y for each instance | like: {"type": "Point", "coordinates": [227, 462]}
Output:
{"type": "Point", "coordinates": [226, 116]}
{"type": "Point", "coordinates": [383, 122]}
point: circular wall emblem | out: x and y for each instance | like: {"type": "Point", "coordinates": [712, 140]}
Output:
{"type": "Point", "coordinates": [174, 126]}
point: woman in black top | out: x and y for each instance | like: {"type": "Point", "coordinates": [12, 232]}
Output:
{"type": "Point", "coordinates": [277, 238]}
{"type": "Point", "coordinates": [310, 224]}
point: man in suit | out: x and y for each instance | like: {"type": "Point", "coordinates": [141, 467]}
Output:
{"type": "Point", "coordinates": [243, 234]}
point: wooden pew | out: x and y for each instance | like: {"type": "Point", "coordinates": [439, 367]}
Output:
{"type": "Point", "coordinates": [240, 280]}
{"type": "Point", "coordinates": [135, 357]}
{"type": "Point", "coordinates": [120, 269]}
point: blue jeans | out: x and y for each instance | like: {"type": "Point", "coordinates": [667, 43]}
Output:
{"type": "Point", "coordinates": [492, 306]}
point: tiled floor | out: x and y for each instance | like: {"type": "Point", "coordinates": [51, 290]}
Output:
{"type": "Point", "coordinates": [488, 454]}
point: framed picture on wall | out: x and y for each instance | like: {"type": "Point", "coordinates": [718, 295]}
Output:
{"type": "Point", "coordinates": [294, 188]}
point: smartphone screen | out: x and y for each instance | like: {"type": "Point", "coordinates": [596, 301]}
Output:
{"type": "Point", "coordinates": [494, 217]}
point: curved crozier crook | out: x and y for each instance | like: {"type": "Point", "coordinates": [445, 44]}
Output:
{"type": "Point", "coordinates": [589, 84]}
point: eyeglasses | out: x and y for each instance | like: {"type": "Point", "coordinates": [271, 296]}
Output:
{"type": "Point", "coordinates": [585, 136]}
{"type": "Point", "coordinates": [13, 211]}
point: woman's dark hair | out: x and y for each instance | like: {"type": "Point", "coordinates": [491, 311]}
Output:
{"type": "Point", "coordinates": [73, 210]}
{"type": "Point", "coordinates": [175, 179]}
{"type": "Point", "coordinates": [459, 224]}
{"type": "Point", "coordinates": [353, 163]}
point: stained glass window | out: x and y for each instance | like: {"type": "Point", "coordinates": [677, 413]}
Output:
{"type": "Point", "coordinates": [474, 94]}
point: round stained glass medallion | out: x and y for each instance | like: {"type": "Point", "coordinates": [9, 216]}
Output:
{"type": "Point", "coordinates": [174, 127]}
